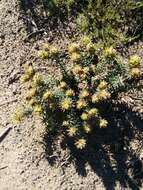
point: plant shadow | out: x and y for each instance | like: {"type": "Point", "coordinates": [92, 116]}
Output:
{"type": "Point", "coordinates": [108, 152]}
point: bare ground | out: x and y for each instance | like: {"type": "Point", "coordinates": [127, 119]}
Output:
{"type": "Point", "coordinates": [26, 161]}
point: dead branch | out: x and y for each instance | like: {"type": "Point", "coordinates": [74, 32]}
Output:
{"type": "Point", "coordinates": [4, 133]}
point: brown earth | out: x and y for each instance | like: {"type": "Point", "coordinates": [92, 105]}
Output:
{"type": "Point", "coordinates": [26, 160]}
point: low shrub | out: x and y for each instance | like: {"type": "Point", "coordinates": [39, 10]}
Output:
{"type": "Point", "coordinates": [90, 76]}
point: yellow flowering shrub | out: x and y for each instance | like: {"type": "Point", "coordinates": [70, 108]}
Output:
{"type": "Point", "coordinates": [88, 80]}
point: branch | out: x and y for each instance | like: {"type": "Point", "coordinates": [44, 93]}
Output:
{"type": "Point", "coordinates": [31, 35]}
{"type": "Point", "coordinates": [4, 133]}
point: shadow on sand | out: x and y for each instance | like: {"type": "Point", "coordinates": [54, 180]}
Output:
{"type": "Point", "coordinates": [109, 152]}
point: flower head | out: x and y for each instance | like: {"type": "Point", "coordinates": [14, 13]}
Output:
{"type": "Point", "coordinates": [26, 66]}
{"type": "Point", "coordinates": [134, 61]}
{"type": "Point", "coordinates": [66, 104]}
{"type": "Point", "coordinates": [48, 94]}
{"type": "Point", "coordinates": [84, 116]}
{"type": "Point", "coordinates": [65, 123]}
{"type": "Point", "coordinates": [135, 72]}
{"type": "Point", "coordinates": [81, 104]}
{"type": "Point", "coordinates": [77, 69]}
{"type": "Point", "coordinates": [84, 94]}
{"type": "Point", "coordinates": [86, 128]}
{"type": "Point", "coordinates": [18, 116]}
{"type": "Point", "coordinates": [95, 98]}
{"type": "Point", "coordinates": [31, 93]}
{"type": "Point", "coordinates": [93, 112]}
{"type": "Point", "coordinates": [38, 109]}
{"type": "Point", "coordinates": [110, 52]}
{"type": "Point", "coordinates": [32, 102]}
{"type": "Point", "coordinates": [62, 84]}
{"type": "Point", "coordinates": [73, 48]}
{"type": "Point", "coordinates": [25, 78]}
{"type": "Point", "coordinates": [103, 123]}
{"type": "Point", "coordinates": [29, 71]}
{"type": "Point", "coordinates": [37, 79]}
{"type": "Point", "coordinates": [102, 85]}
{"type": "Point", "coordinates": [53, 50]}
{"type": "Point", "coordinates": [46, 47]}
{"type": "Point", "coordinates": [81, 143]}
{"type": "Point", "coordinates": [69, 92]}
{"type": "Point", "coordinates": [72, 131]}
{"type": "Point", "coordinates": [43, 54]}
{"type": "Point", "coordinates": [75, 56]}
{"type": "Point", "coordinates": [80, 72]}
{"type": "Point", "coordinates": [86, 40]}
{"type": "Point", "coordinates": [103, 95]}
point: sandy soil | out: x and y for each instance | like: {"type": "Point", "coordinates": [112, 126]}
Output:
{"type": "Point", "coordinates": [26, 163]}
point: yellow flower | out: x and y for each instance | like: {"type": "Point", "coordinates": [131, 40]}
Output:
{"type": "Point", "coordinates": [81, 104]}
{"type": "Point", "coordinates": [86, 40]}
{"type": "Point", "coordinates": [134, 61]}
{"type": "Point", "coordinates": [43, 54]}
{"type": "Point", "coordinates": [37, 79]}
{"type": "Point", "coordinates": [86, 128]}
{"type": "Point", "coordinates": [84, 94]}
{"type": "Point", "coordinates": [62, 84]}
{"type": "Point", "coordinates": [73, 48]}
{"type": "Point", "coordinates": [81, 143]}
{"type": "Point", "coordinates": [75, 56]}
{"type": "Point", "coordinates": [102, 85]}
{"type": "Point", "coordinates": [72, 131]}
{"type": "Point", "coordinates": [48, 94]}
{"type": "Point", "coordinates": [103, 95]}
{"type": "Point", "coordinates": [46, 47]}
{"type": "Point", "coordinates": [66, 104]}
{"type": "Point", "coordinates": [93, 112]}
{"type": "Point", "coordinates": [29, 71]}
{"type": "Point", "coordinates": [84, 116]}
{"type": "Point", "coordinates": [135, 72]}
{"type": "Point", "coordinates": [77, 69]}
{"type": "Point", "coordinates": [69, 92]}
{"type": "Point", "coordinates": [32, 102]}
{"type": "Point", "coordinates": [25, 78]}
{"type": "Point", "coordinates": [53, 50]}
{"type": "Point", "coordinates": [26, 66]}
{"type": "Point", "coordinates": [110, 52]}
{"type": "Point", "coordinates": [18, 116]}
{"type": "Point", "coordinates": [31, 93]}
{"type": "Point", "coordinates": [103, 123]}
{"type": "Point", "coordinates": [65, 124]}
{"type": "Point", "coordinates": [95, 98]}
{"type": "Point", "coordinates": [38, 109]}
{"type": "Point", "coordinates": [81, 72]}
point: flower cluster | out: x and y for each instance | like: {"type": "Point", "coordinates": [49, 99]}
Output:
{"type": "Point", "coordinates": [134, 64]}
{"type": "Point", "coordinates": [48, 51]}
